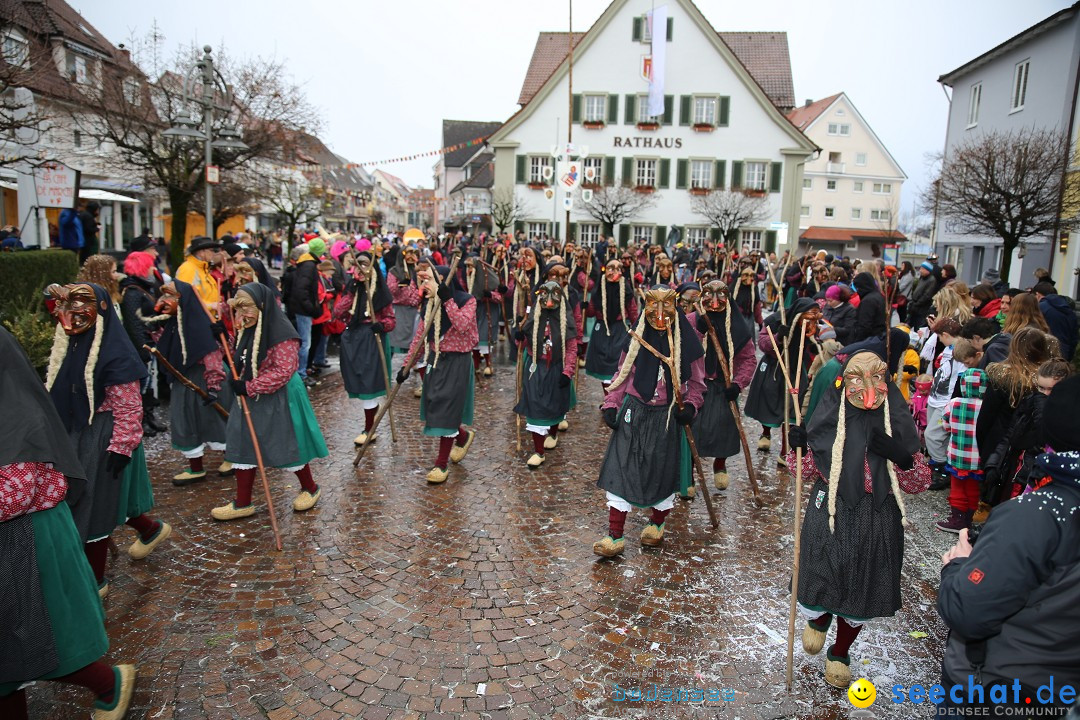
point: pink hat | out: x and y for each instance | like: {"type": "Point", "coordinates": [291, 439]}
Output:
{"type": "Point", "coordinates": [363, 245]}
{"type": "Point", "coordinates": [338, 249]}
{"type": "Point", "coordinates": [833, 293]}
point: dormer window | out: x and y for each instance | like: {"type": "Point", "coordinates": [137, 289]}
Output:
{"type": "Point", "coordinates": [16, 49]}
{"type": "Point", "coordinates": [132, 93]}
{"type": "Point", "coordinates": [76, 68]}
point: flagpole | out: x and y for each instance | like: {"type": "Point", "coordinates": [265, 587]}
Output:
{"type": "Point", "coordinates": [570, 114]}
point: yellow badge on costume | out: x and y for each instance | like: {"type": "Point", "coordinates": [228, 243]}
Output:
{"type": "Point", "coordinates": [839, 381]}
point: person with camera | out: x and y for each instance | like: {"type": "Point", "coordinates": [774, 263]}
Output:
{"type": "Point", "coordinates": [1012, 600]}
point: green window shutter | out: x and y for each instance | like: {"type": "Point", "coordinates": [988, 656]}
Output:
{"type": "Point", "coordinates": [612, 109]}
{"type": "Point", "coordinates": [725, 110]}
{"type": "Point", "coordinates": [519, 226]}
{"type": "Point", "coordinates": [630, 116]}
{"type": "Point", "coordinates": [521, 160]}
{"type": "Point", "coordinates": [609, 171]}
{"type": "Point", "coordinates": [624, 234]}
{"type": "Point", "coordinates": [572, 235]}
{"type": "Point", "coordinates": [682, 170]}
{"type": "Point", "coordinates": [636, 34]}
{"type": "Point", "coordinates": [661, 234]}
{"type": "Point", "coordinates": [577, 107]}
{"type": "Point", "coordinates": [774, 176]}
{"type": "Point", "coordinates": [665, 173]}
{"type": "Point", "coordinates": [714, 233]}
{"type": "Point", "coordinates": [555, 235]}
{"type": "Point", "coordinates": [669, 109]}
{"type": "Point", "coordinates": [627, 171]}
{"type": "Point", "coordinates": [736, 175]}
{"type": "Point", "coordinates": [720, 174]}
{"type": "Point", "coordinates": [770, 241]}
{"type": "Point", "coordinates": [684, 109]}
{"type": "Point", "coordinates": [670, 27]}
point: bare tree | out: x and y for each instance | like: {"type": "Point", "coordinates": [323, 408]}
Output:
{"type": "Point", "coordinates": [1007, 185]}
{"type": "Point", "coordinates": [507, 208]}
{"type": "Point", "coordinates": [24, 64]}
{"type": "Point", "coordinates": [131, 117]}
{"type": "Point", "coordinates": [294, 199]}
{"type": "Point", "coordinates": [614, 204]}
{"type": "Point", "coordinates": [729, 210]}
{"type": "Point", "coordinates": [238, 193]}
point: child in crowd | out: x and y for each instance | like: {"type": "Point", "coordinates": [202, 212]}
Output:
{"type": "Point", "coordinates": [963, 453]}
{"type": "Point", "coordinates": [945, 376]}
{"type": "Point", "coordinates": [964, 351]}
{"type": "Point", "coordinates": [923, 383]}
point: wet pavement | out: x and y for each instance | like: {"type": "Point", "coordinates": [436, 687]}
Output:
{"type": "Point", "coordinates": [481, 598]}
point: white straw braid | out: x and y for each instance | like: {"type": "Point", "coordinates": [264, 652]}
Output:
{"type": "Point", "coordinates": [893, 482]}
{"type": "Point", "coordinates": [837, 460]}
{"type": "Point", "coordinates": [180, 332]}
{"type": "Point", "coordinates": [56, 355]}
{"type": "Point", "coordinates": [91, 363]}
{"type": "Point", "coordinates": [254, 360]}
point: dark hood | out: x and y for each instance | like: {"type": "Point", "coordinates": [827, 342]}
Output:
{"type": "Point", "coordinates": [864, 284]}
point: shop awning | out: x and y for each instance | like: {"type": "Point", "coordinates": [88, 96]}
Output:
{"type": "Point", "coordinates": [104, 196]}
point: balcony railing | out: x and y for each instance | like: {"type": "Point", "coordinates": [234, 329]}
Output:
{"type": "Point", "coordinates": [835, 168]}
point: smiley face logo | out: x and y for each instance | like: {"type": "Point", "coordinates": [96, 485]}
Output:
{"type": "Point", "coordinates": [862, 693]}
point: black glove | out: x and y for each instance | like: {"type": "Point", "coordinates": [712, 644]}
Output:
{"type": "Point", "coordinates": [888, 448]}
{"type": "Point", "coordinates": [911, 370]}
{"type": "Point", "coordinates": [487, 294]}
{"type": "Point", "coordinates": [218, 328]}
{"type": "Point", "coordinates": [701, 326]}
{"type": "Point", "coordinates": [519, 335]}
{"type": "Point", "coordinates": [782, 331]}
{"type": "Point", "coordinates": [210, 399]}
{"type": "Point", "coordinates": [988, 490]}
{"type": "Point", "coordinates": [239, 387]}
{"type": "Point", "coordinates": [685, 414]}
{"type": "Point", "coordinates": [564, 381]}
{"type": "Point", "coordinates": [115, 463]}
{"type": "Point", "coordinates": [444, 292]}
{"type": "Point", "coordinates": [378, 327]}
{"type": "Point", "coordinates": [796, 436]}
{"type": "Point", "coordinates": [503, 289]}
{"type": "Point", "coordinates": [731, 392]}
{"type": "Point", "coordinates": [402, 375]}
{"type": "Point", "coordinates": [611, 417]}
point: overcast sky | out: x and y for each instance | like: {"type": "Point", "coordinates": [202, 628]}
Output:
{"type": "Point", "coordinates": [386, 72]}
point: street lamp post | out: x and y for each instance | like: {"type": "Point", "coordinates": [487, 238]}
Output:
{"type": "Point", "coordinates": [185, 129]}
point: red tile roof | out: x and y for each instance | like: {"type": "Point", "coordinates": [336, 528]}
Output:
{"type": "Point", "coordinates": [848, 235]}
{"type": "Point", "coordinates": [801, 117]}
{"type": "Point", "coordinates": [763, 54]}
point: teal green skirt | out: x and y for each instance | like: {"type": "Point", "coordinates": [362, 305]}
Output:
{"type": "Point", "coordinates": [136, 493]}
{"type": "Point", "coordinates": [309, 438]}
{"type": "Point", "coordinates": [573, 393]}
{"type": "Point", "coordinates": [686, 465]}
{"type": "Point", "coordinates": [75, 614]}
{"type": "Point", "coordinates": [466, 415]}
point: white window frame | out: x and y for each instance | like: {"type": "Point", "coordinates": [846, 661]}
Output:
{"type": "Point", "coordinates": [882, 188]}
{"type": "Point", "coordinates": [537, 163]}
{"type": "Point", "coordinates": [834, 128]}
{"type": "Point", "coordinates": [132, 91]}
{"type": "Point", "coordinates": [16, 49]}
{"type": "Point", "coordinates": [643, 115]}
{"type": "Point", "coordinates": [850, 247]}
{"type": "Point", "coordinates": [642, 233]}
{"type": "Point", "coordinates": [754, 239]}
{"type": "Point", "coordinates": [835, 158]}
{"type": "Point", "coordinates": [881, 215]}
{"type": "Point", "coordinates": [845, 130]}
{"type": "Point", "coordinates": [590, 103]}
{"type": "Point", "coordinates": [830, 186]}
{"type": "Point", "coordinates": [830, 212]}
{"type": "Point", "coordinates": [804, 211]}
{"type": "Point", "coordinates": [699, 179]}
{"type": "Point", "coordinates": [697, 235]}
{"type": "Point", "coordinates": [860, 159]}
{"type": "Point", "coordinates": [1018, 96]}
{"type": "Point", "coordinates": [702, 115]}
{"type": "Point", "coordinates": [760, 170]}
{"type": "Point", "coordinates": [596, 162]}
{"type": "Point", "coordinates": [974, 100]}
{"type": "Point", "coordinates": [76, 69]}
{"type": "Point", "coordinates": [856, 213]}
{"type": "Point", "coordinates": [588, 232]}
{"type": "Point", "coordinates": [857, 186]}
{"type": "Point", "coordinates": [536, 229]}
{"type": "Point", "coordinates": [645, 172]}
{"type": "Point", "coordinates": [807, 183]}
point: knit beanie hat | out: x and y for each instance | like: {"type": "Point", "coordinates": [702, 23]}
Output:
{"type": "Point", "coordinates": [928, 265]}
{"type": "Point", "coordinates": [317, 247]}
{"type": "Point", "coordinates": [1061, 423]}
{"type": "Point", "coordinates": [833, 293]}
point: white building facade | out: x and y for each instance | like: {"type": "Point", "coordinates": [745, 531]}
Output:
{"type": "Point", "coordinates": [720, 127]}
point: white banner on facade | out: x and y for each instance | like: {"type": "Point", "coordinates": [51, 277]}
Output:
{"type": "Point", "coordinates": [658, 20]}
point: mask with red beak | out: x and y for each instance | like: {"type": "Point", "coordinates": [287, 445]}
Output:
{"type": "Point", "coordinates": [660, 310]}
{"type": "Point", "coordinates": [549, 295]}
{"type": "Point", "coordinates": [613, 271]}
{"type": "Point", "coordinates": [169, 300]}
{"type": "Point", "coordinates": [76, 307]}
{"type": "Point", "coordinates": [866, 381]}
{"type": "Point", "coordinates": [714, 296]}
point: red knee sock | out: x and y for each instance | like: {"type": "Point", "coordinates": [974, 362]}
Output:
{"type": "Point", "coordinates": [144, 526]}
{"type": "Point", "coordinates": [306, 482]}
{"type": "Point", "coordinates": [538, 443]}
{"type": "Point", "coordinates": [553, 431]}
{"type": "Point", "coordinates": [369, 418]}
{"type": "Point", "coordinates": [195, 464]}
{"type": "Point", "coordinates": [657, 517]}
{"type": "Point", "coordinates": [616, 520]}
{"type": "Point", "coordinates": [13, 706]}
{"type": "Point", "coordinates": [766, 432]}
{"type": "Point", "coordinates": [971, 493]}
{"type": "Point", "coordinates": [957, 495]}
{"type": "Point", "coordinates": [845, 636]}
{"type": "Point", "coordinates": [476, 359]}
{"type": "Point", "coordinates": [97, 553]}
{"type": "Point", "coordinates": [97, 677]}
{"type": "Point", "coordinates": [487, 359]}
{"type": "Point", "coordinates": [445, 444]}
{"type": "Point", "coordinates": [245, 480]}
{"type": "Point", "coordinates": [822, 622]}
{"type": "Point", "coordinates": [421, 371]}
{"type": "Point", "coordinates": [462, 436]}
{"type": "Point", "coordinates": [719, 464]}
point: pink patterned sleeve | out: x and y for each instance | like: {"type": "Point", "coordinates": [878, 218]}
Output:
{"type": "Point", "coordinates": [213, 370]}
{"type": "Point", "coordinates": [277, 367]}
{"type": "Point", "coordinates": [387, 318]}
{"type": "Point", "coordinates": [579, 324]}
{"type": "Point", "coordinates": [570, 360]}
{"type": "Point", "coordinates": [125, 403]}
{"type": "Point", "coordinates": [615, 395]}
{"type": "Point", "coordinates": [27, 487]}
{"type": "Point", "coordinates": [917, 479]}
{"type": "Point", "coordinates": [462, 317]}
{"type": "Point", "coordinates": [745, 365]}
{"type": "Point", "coordinates": [405, 294]}
{"type": "Point", "coordinates": [632, 311]}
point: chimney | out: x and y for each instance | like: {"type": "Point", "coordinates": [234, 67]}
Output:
{"type": "Point", "coordinates": [809, 101]}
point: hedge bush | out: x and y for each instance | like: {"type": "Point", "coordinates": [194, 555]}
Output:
{"type": "Point", "coordinates": [25, 274]}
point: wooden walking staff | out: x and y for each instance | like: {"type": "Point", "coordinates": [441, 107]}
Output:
{"type": "Point", "coordinates": [382, 361]}
{"type": "Point", "coordinates": [686, 428]}
{"type": "Point", "coordinates": [186, 382]}
{"type": "Point", "coordinates": [734, 405]}
{"type": "Point", "coordinates": [410, 360]}
{"type": "Point", "coordinates": [793, 612]}
{"type": "Point", "coordinates": [520, 370]}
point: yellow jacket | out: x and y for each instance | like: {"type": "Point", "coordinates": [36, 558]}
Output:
{"type": "Point", "coordinates": [196, 273]}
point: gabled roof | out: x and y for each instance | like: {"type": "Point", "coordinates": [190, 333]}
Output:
{"type": "Point", "coordinates": [482, 178]}
{"type": "Point", "coordinates": [398, 184]}
{"type": "Point", "coordinates": [802, 117]}
{"type": "Point", "coordinates": [1015, 41]}
{"type": "Point", "coordinates": [763, 54]}
{"type": "Point", "coordinates": [816, 233]}
{"type": "Point", "coordinates": [455, 132]}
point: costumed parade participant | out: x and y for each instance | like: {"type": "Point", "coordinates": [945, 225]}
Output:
{"type": "Point", "coordinates": [52, 619]}
{"type": "Point", "coordinates": [482, 283]}
{"type": "Point", "coordinates": [94, 377]}
{"type": "Point", "coordinates": [267, 358]}
{"type": "Point", "coordinates": [746, 296]}
{"type": "Point", "coordinates": [641, 465]}
{"type": "Point", "coordinates": [557, 271]}
{"type": "Point", "coordinates": [188, 344]}
{"type": "Point", "coordinates": [715, 426]}
{"type": "Point", "coordinates": [370, 321]}
{"type": "Point", "coordinates": [401, 279]}
{"type": "Point", "coordinates": [863, 449]}
{"type": "Point", "coordinates": [550, 361]}
{"type": "Point", "coordinates": [664, 272]}
{"type": "Point", "coordinates": [446, 405]}
{"type": "Point", "coordinates": [617, 311]}
{"type": "Point", "coordinates": [766, 400]}
{"type": "Point", "coordinates": [583, 278]}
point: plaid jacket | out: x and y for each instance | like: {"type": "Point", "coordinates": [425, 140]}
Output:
{"type": "Point", "coordinates": [959, 420]}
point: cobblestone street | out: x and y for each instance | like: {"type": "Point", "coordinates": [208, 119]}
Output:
{"type": "Point", "coordinates": [480, 598]}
